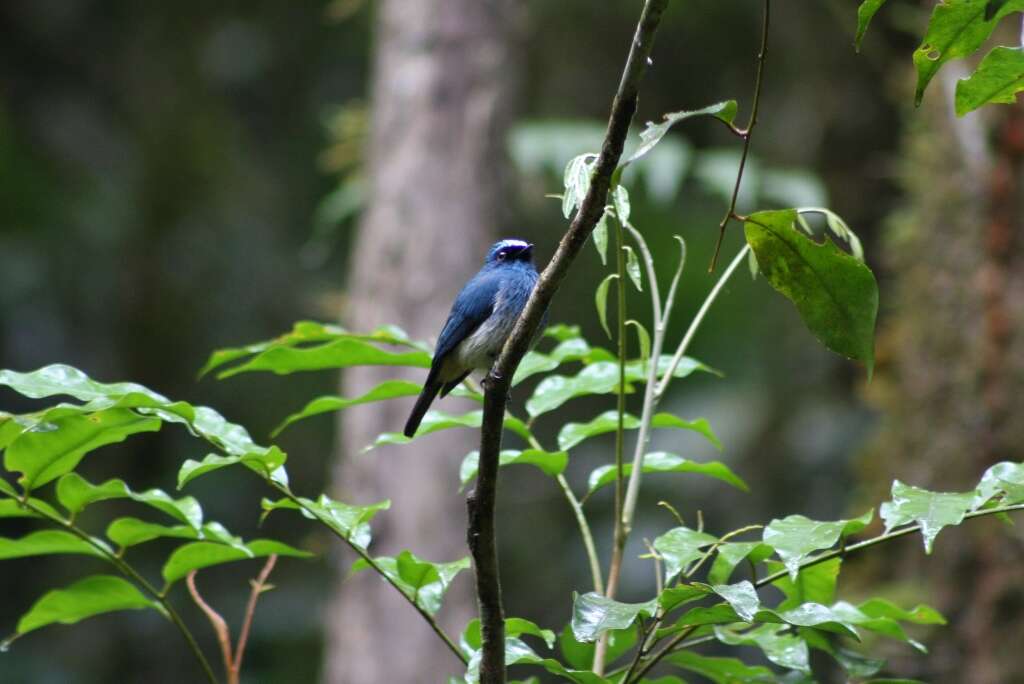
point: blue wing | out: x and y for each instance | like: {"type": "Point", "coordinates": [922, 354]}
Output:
{"type": "Point", "coordinates": [473, 305]}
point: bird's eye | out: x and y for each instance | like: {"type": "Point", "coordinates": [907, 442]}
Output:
{"type": "Point", "coordinates": [502, 254]}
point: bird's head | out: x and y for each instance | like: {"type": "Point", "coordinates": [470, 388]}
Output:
{"type": "Point", "coordinates": [509, 251]}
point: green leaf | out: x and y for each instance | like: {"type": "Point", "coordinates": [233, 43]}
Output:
{"type": "Point", "coordinates": [577, 182]}
{"type": "Point", "coordinates": [351, 522]}
{"type": "Point", "coordinates": [836, 294]}
{"type": "Point", "coordinates": [601, 301]}
{"type": "Point", "coordinates": [386, 390]}
{"type": "Point", "coordinates": [534, 363]}
{"type": "Point", "coordinates": [653, 133]}
{"type": "Point", "coordinates": [342, 353]}
{"type": "Point", "coordinates": [662, 462]}
{"type": "Point", "coordinates": [636, 371]}
{"type": "Point", "coordinates": [620, 200]}
{"type": "Point", "coordinates": [87, 597]}
{"type": "Point", "coordinates": [741, 597]}
{"type": "Point", "coordinates": [919, 615]}
{"type": "Point", "coordinates": [1005, 480]}
{"type": "Point", "coordinates": [865, 13]}
{"type": "Point", "coordinates": [422, 581]}
{"type": "Point", "coordinates": [679, 547]}
{"type": "Point", "coordinates": [931, 510]}
{"type": "Point", "coordinates": [580, 654]}
{"type": "Point", "coordinates": [643, 338]}
{"type": "Point", "coordinates": [778, 646]}
{"type": "Point", "coordinates": [572, 434]}
{"type": "Point", "coordinates": [593, 614]}
{"type": "Point", "coordinates": [46, 542]}
{"type": "Point", "coordinates": [562, 332]}
{"type": "Point", "coordinates": [601, 238]}
{"type": "Point", "coordinates": [14, 508]}
{"type": "Point", "coordinates": [203, 554]}
{"type": "Point", "coordinates": [998, 78]}
{"type": "Point", "coordinates": [814, 584]}
{"type": "Point", "coordinates": [75, 493]}
{"type": "Point", "coordinates": [879, 623]}
{"type": "Point", "coordinates": [795, 537]}
{"type": "Point", "coordinates": [721, 670]}
{"type": "Point", "coordinates": [551, 463]}
{"type": "Point", "coordinates": [191, 469]}
{"type": "Point", "coordinates": [46, 454]}
{"type": "Point", "coordinates": [633, 268]}
{"type": "Point", "coordinates": [731, 554]}
{"type": "Point", "coordinates": [514, 627]}
{"type": "Point", "coordinates": [680, 594]}
{"type": "Point", "coordinates": [435, 421]}
{"type": "Point", "coordinates": [957, 28]}
{"type": "Point", "coordinates": [131, 531]}
{"type": "Point", "coordinates": [553, 391]}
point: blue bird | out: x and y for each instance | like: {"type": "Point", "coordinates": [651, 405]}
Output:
{"type": "Point", "coordinates": [480, 321]}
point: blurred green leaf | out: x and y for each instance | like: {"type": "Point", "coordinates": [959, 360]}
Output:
{"type": "Point", "coordinates": [865, 13]}
{"type": "Point", "coordinates": [388, 389]}
{"type": "Point", "coordinates": [87, 597]}
{"type": "Point", "coordinates": [1005, 480]}
{"type": "Point", "coordinates": [554, 390]}
{"type": "Point", "coordinates": [514, 627]}
{"type": "Point", "coordinates": [998, 79]}
{"type": "Point", "coordinates": [580, 654]}
{"type": "Point", "coordinates": [620, 200]}
{"type": "Point", "coordinates": [662, 462]}
{"type": "Point", "coordinates": [931, 510]}
{"type": "Point", "coordinates": [572, 434]}
{"type": "Point", "coordinates": [721, 670]}
{"type": "Point", "coordinates": [679, 547]}
{"type": "Point", "coordinates": [601, 301]}
{"type": "Point", "coordinates": [836, 294]}
{"type": "Point", "coordinates": [643, 339]}
{"type": "Point", "coordinates": [881, 622]}
{"type": "Point", "coordinates": [957, 28]}
{"type": "Point", "coordinates": [601, 238]}
{"type": "Point", "coordinates": [730, 554]}
{"type": "Point", "coordinates": [435, 421]}
{"type": "Point", "coordinates": [778, 646]}
{"type": "Point", "coordinates": [577, 182]}
{"type": "Point", "coordinates": [203, 554]}
{"type": "Point", "coordinates": [814, 584]}
{"type": "Point", "coordinates": [15, 508]}
{"type": "Point", "coordinates": [75, 493]}
{"type": "Point", "coordinates": [131, 531]}
{"type": "Point", "coordinates": [533, 363]}
{"type": "Point", "coordinates": [46, 542]}
{"type": "Point", "coordinates": [422, 581]}
{"type": "Point", "coordinates": [742, 597]}
{"type": "Point", "coordinates": [351, 522]}
{"type": "Point", "coordinates": [593, 614]}
{"type": "Point", "coordinates": [633, 268]}
{"type": "Point", "coordinates": [795, 537]}
{"type": "Point", "coordinates": [49, 451]}
{"type": "Point", "coordinates": [654, 132]}
{"type": "Point", "coordinates": [551, 463]}
{"type": "Point", "coordinates": [342, 353]}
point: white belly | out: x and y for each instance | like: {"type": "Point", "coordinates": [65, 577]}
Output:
{"type": "Point", "coordinates": [481, 348]}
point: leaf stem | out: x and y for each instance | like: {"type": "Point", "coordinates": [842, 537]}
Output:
{"type": "Point", "coordinates": [746, 134]}
{"type": "Point", "coordinates": [128, 571]}
{"type": "Point", "coordinates": [362, 553]}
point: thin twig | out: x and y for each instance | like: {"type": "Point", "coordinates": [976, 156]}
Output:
{"type": "Point", "coordinates": [128, 571]}
{"type": "Point", "coordinates": [368, 559]}
{"type": "Point", "coordinates": [746, 134]}
{"type": "Point", "coordinates": [480, 505]}
{"type": "Point", "coordinates": [259, 585]}
{"type": "Point", "coordinates": [220, 627]}
{"type": "Point", "coordinates": [678, 640]}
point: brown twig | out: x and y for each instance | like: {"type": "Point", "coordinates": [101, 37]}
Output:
{"type": "Point", "coordinates": [481, 533]}
{"type": "Point", "coordinates": [220, 627]}
{"type": "Point", "coordinates": [746, 134]}
{"type": "Point", "coordinates": [232, 661]}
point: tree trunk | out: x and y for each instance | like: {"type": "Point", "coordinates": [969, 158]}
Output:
{"type": "Point", "coordinates": [952, 368]}
{"type": "Point", "coordinates": [439, 121]}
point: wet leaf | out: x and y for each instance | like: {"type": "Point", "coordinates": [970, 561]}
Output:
{"type": "Point", "coordinates": [931, 510]}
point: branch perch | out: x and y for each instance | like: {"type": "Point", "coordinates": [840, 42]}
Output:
{"type": "Point", "coordinates": [480, 504]}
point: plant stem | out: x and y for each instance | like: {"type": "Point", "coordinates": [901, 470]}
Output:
{"type": "Point", "coordinates": [746, 134]}
{"type": "Point", "coordinates": [128, 571]}
{"type": "Point", "coordinates": [481, 532]}
{"type": "Point", "coordinates": [362, 553]}
{"type": "Point", "coordinates": [678, 640]}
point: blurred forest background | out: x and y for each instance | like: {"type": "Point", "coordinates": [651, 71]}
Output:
{"type": "Point", "coordinates": [177, 177]}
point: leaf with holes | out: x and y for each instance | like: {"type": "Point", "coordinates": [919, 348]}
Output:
{"type": "Point", "coordinates": [998, 79]}
{"type": "Point", "coordinates": [836, 294]}
{"type": "Point", "coordinates": [931, 510]}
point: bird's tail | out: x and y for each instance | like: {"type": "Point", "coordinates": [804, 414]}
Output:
{"type": "Point", "coordinates": [430, 390]}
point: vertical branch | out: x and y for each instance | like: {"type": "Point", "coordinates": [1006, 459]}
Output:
{"type": "Point", "coordinates": [259, 585]}
{"type": "Point", "coordinates": [220, 627]}
{"type": "Point", "coordinates": [481, 533]}
{"type": "Point", "coordinates": [747, 133]}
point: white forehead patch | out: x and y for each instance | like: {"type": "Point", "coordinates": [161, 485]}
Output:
{"type": "Point", "coordinates": [519, 244]}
